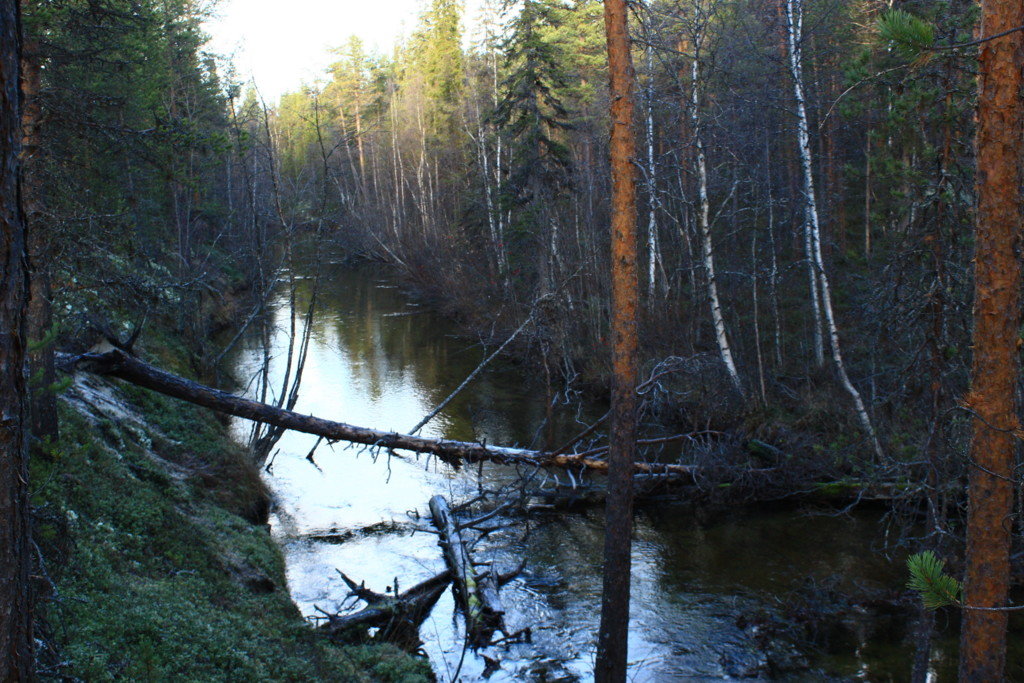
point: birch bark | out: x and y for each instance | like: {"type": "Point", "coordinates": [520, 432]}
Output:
{"type": "Point", "coordinates": [704, 213]}
{"type": "Point", "coordinates": [819, 278]}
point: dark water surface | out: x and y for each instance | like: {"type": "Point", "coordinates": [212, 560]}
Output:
{"type": "Point", "coordinates": [705, 590]}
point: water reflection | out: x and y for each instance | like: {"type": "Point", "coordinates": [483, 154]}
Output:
{"type": "Point", "coordinates": [378, 359]}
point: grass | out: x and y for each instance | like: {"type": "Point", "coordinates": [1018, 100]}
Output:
{"type": "Point", "coordinates": [157, 569]}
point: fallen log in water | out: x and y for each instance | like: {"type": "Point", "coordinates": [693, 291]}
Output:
{"type": "Point", "coordinates": [477, 592]}
{"type": "Point", "coordinates": [117, 363]}
{"type": "Point", "coordinates": [650, 476]}
{"type": "Point", "coordinates": [397, 616]}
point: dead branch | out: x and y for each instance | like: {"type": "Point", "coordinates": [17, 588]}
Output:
{"type": "Point", "coordinates": [398, 617]}
{"type": "Point", "coordinates": [477, 592]}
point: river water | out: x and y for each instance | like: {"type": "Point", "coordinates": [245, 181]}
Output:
{"type": "Point", "coordinates": [709, 591]}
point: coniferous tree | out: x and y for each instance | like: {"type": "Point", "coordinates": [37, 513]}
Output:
{"type": "Point", "coordinates": [16, 637]}
{"type": "Point", "coordinates": [995, 374]}
{"type": "Point", "coordinates": [533, 118]}
{"type": "Point", "coordinates": [613, 636]}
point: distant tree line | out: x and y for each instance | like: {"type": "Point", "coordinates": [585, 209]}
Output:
{"type": "Point", "coordinates": [805, 200]}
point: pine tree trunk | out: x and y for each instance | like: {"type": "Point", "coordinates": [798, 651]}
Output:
{"type": "Point", "coordinates": [612, 637]}
{"type": "Point", "coordinates": [43, 401]}
{"type": "Point", "coordinates": [997, 319]}
{"type": "Point", "coordinates": [16, 660]}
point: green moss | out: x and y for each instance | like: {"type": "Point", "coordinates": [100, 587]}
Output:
{"type": "Point", "coordinates": [194, 438]}
{"type": "Point", "coordinates": [157, 576]}
{"type": "Point", "coordinates": [839, 488]}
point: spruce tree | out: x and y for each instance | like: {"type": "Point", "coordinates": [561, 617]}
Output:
{"type": "Point", "coordinates": [533, 117]}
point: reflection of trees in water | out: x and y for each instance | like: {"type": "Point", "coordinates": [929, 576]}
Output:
{"type": "Point", "coordinates": [357, 339]}
{"type": "Point", "coordinates": [385, 352]}
{"type": "Point", "coordinates": [688, 576]}
{"type": "Point", "coordinates": [695, 555]}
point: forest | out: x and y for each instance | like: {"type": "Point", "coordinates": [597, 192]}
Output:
{"type": "Point", "coordinates": [707, 314]}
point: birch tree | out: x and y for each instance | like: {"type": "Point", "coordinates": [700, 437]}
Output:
{"type": "Point", "coordinates": [700, 22]}
{"type": "Point", "coordinates": [812, 230]}
{"type": "Point", "coordinates": [654, 261]}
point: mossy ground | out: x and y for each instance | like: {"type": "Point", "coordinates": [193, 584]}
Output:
{"type": "Point", "coordinates": [156, 569]}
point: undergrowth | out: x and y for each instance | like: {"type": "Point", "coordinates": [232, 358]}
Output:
{"type": "Point", "coordinates": [154, 564]}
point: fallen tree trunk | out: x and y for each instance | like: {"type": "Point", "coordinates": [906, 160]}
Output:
{"type": "Point", "coordinates": [398, 617]}
{"type": "Point", "coordinates": [477, 593]}
{"type": "Point", "coordinates": [117, 363]}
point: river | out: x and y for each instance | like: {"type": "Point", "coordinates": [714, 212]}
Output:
{"type": "Point", "coordinates": [709, 590]}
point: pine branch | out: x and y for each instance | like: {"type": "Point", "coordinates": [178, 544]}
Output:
{"type": "Point", "coordinates": [927, 577]}
{"type": "Point", "coordinates": [912, 37]}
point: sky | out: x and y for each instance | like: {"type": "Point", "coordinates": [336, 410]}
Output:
{"type": "Point", "coordinates": [283, 44]}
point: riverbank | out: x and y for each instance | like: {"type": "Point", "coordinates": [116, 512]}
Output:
{"type": "Point", "coordinates": [156, 562]}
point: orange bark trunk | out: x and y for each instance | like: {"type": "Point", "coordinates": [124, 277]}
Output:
{"type": "Point", "coordinates": [611, 646]}
{"type": "Point", "coordinates": [997, 284]}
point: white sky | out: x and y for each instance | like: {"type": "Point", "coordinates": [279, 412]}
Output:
{"type": "Point", "coordinates": [283, 44]}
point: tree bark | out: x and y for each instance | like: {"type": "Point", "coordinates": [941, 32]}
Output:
{"type": "Point", "coordinates": [16, 658]}
{"type": "Point", "coordinates": [612, 647]}
{"type": "Point", "coordinates": [654, 259]}
{"type": "Point", "coordinates": [794, 36]}
{"type": "Point", "coordinates": [43, 409]}
{"type": "Point", "coordinates": [478, 594]}
{"type": "Point", "coordinates": [794, 23]}
{"type": "Point", "coordinates": [397, 616]}
{"type": "Point", "coordinates": [997, 319]}
{"type": "Point", "coordinates": [704, 211]}
{"type": "Point", "coordinates": [117, 363]}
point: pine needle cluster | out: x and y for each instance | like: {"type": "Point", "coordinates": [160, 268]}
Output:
{"type": "Point", "coordinates": [927, 577]}
{"type": "Point", "coordinates": [910, 36]}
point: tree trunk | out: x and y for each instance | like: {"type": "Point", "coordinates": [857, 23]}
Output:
{"type": "Point", "coordinates": [480, 604]}
{"type": "Point", "coordinates": [773, 275]}
{"type": "Point", "coordinates": [398, 617]}
{"type": "Point", "coordinates": [755, 314]}
{"type": "Point", "coordinates": [867, 194]}
{"type": "Point", "coordinates": [793, 10]}
{"type": "Point", "coordinates": [612, 637]}
{"type": "Point", "coordinates": [704, 218]}
{"type": "Point", "coordinates": [359, 143]}
{"type": "Point", "coordinates": [997, 319]}
{"type": "Point", "coordinates": [16, 659]}
{"type": "Point", "coordinates": [40, 317]}
{"type": "Point", "coordinates": [653, 250]}
{"type": "Point", "coordinates": [794, 23]}
{"type": "Point", "coordinates": [116, 363]}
